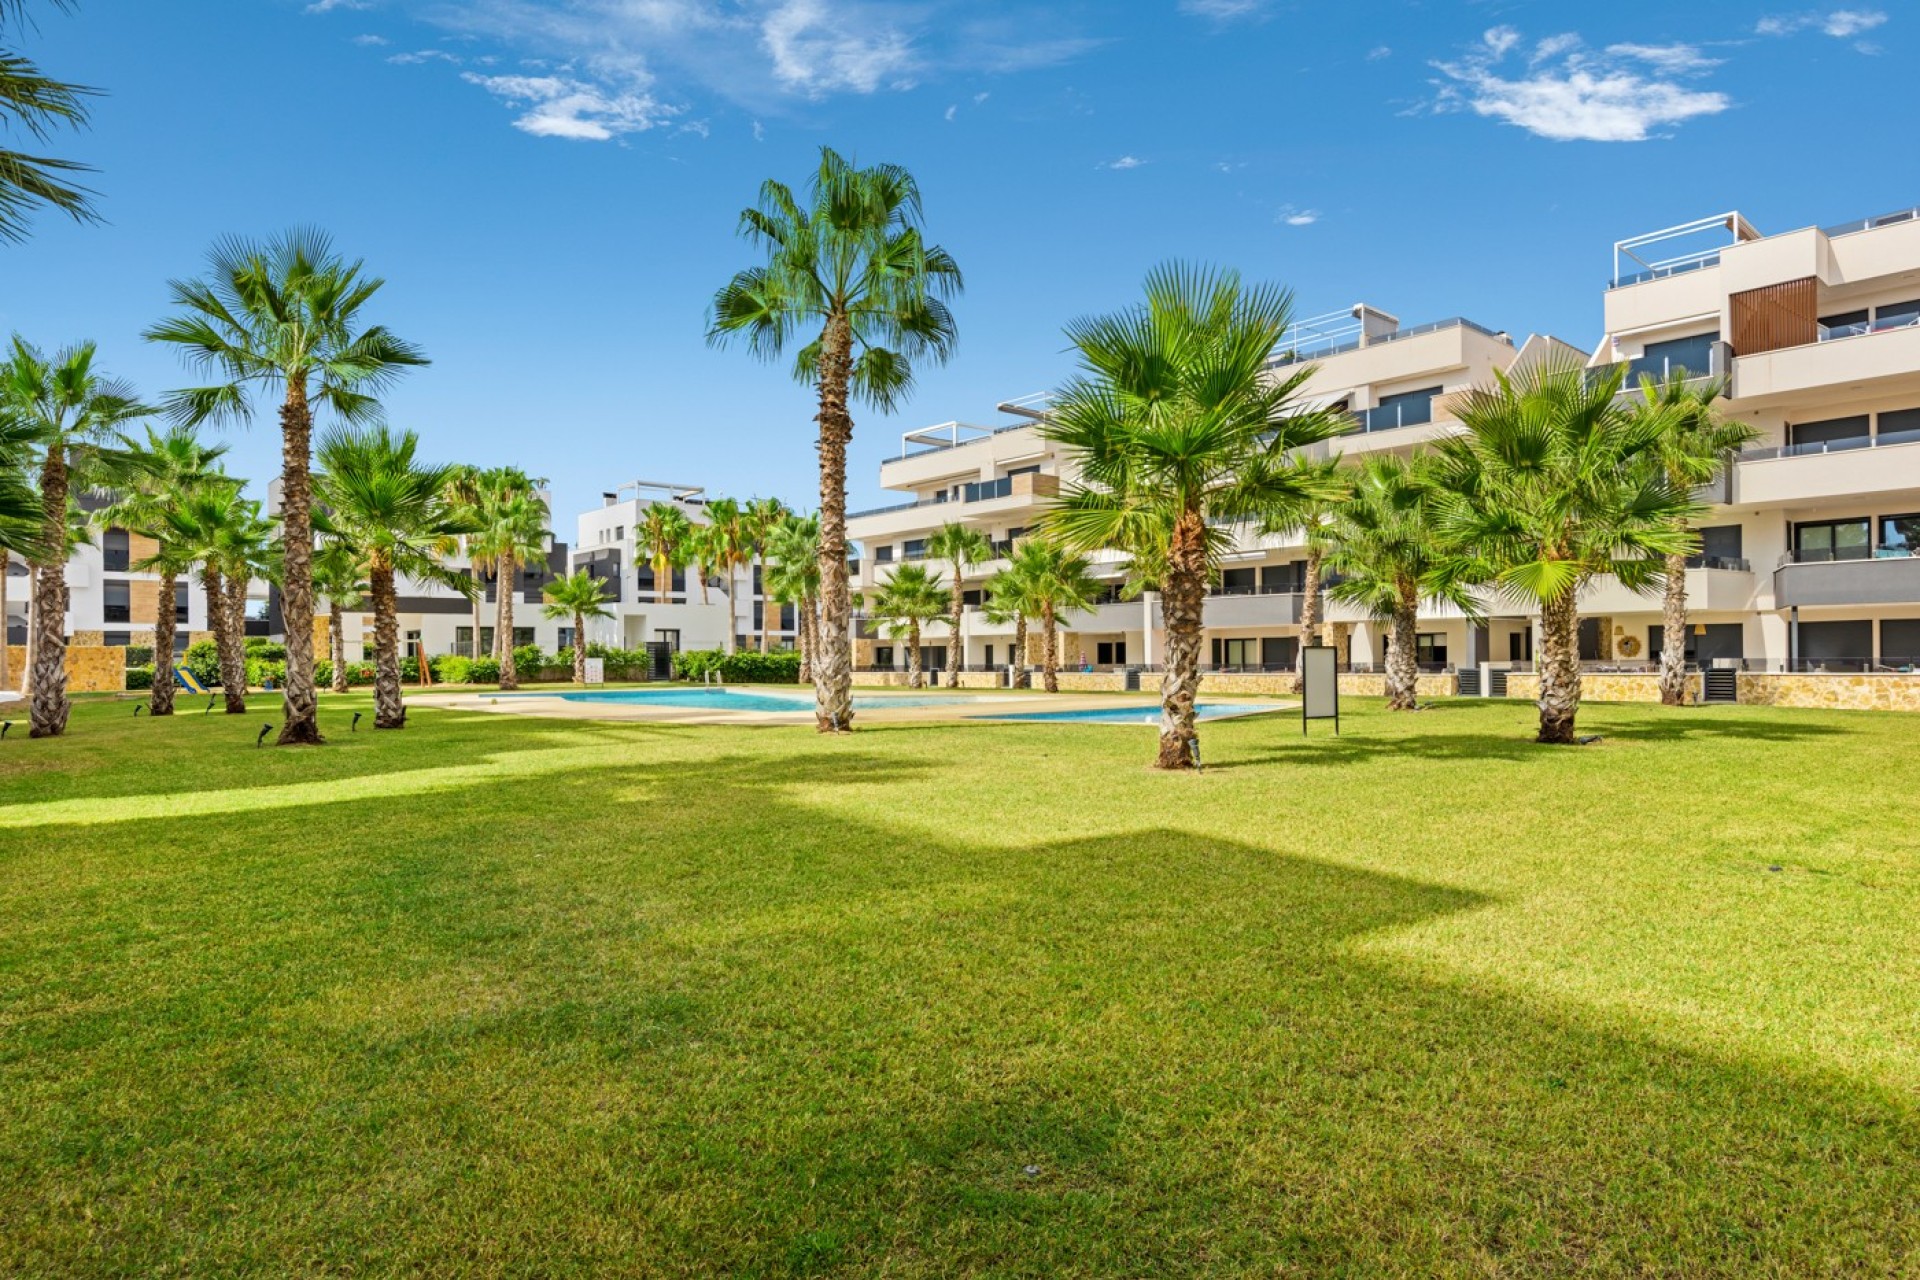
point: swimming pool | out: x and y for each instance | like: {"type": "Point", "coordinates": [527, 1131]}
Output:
{"type": "Point", "coordinates": [717, 699]}
{"type": "Point", "coordinates": [1132, 715]}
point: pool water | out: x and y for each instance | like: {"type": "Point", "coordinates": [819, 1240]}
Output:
{"type": "Point", "coordinates": [1131, 715]}
{"type": "Point", "coordinates": [716, 699]}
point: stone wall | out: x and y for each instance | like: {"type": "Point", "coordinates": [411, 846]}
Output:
{"type": "Point", "coordinates": [1880, 691]}
{"type": "Point", "coordinates": [1603, 686]}
{"type": "Point", "coordinates": [1088, 681]}
{"type": "Point", "coordinates": [1371, 684]}
{"type": "Point", "coordinates": [90, 668]}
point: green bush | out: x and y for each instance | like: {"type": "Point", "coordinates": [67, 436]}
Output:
{"type": "Point", "coordinates": [483, 671]}
{"type": "Point", "coordinates": [528, 658]}
{"type": "Point", "coordinates": [694, 664]}
{"type": "Point", "coordinates": [139, 655]}
{"type": "Point", "coordinates": [262, 671]}
{"type": "Point", "coordinates": [139, 677]}
{"type": "Point", "coordinates": [452, 669]}
{"type": "Point", "coordinates": [202, 661]}
{"type": "Point", "coordinates": [265, 649]}
{"type": "Point", "coordinates": [359, 674]}
{"type": "Point", "coordinates": [745, 667]}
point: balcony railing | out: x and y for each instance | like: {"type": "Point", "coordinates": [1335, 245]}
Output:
{"type": "Point", "coordinates": [1811, 447]}
{"type": "Point", "coordinates": [1859, 328]}
{"type": "Point", "coordinates": [1387, 417]}
{"type": "Point", "coordinates": [983, 490]}
{"type": "Point", "coordinates": [1848, 555]}
{"type": "Point", "coordinates": [1348, 338]}
{"type": "Point", "coordinates": [1733, 564]}
{"type": "Point", "coordinates": [1868, 224]}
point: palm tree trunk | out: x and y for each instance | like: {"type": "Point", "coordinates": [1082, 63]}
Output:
{"type": "Point", "coordinates": [337, 638]}
{"type": "Point", "coordinates": [503, 627]}
{"type": "Point", "coordinates": [913, 656]}
{"type": "Point", "coordinates": [479, 596]}
{"type": "Point", "coordinates": [33, 631]}
{"type": "Point", "coordinates": [389, 710]}
{"type": "Point", "coordinates": [803, 618]}
{"type": "Point", "coordinates": [1049, 651]}
{"type": "Point", "coordinates": [701, 569]}
{"type": "Point", "coordinates": [1673, 634]}
{"type": "Point", "coordinates": [49, 707]}
{"type": "Point", "coordinates": [957, 606]}
{"type": "Point", "coordinates": [765, 601]}
{"type": "Point", "coordinates": [1403, 672]}
{"type": "Point", "coordinates": [833, 664]}
{"type": "Point", "coordinates": [216, 616]}
{"type": "Point", "coordinates": [1559, 669]}
{"type": "Point", "coordinates": [6, 644]}
{"type": "Point", "coordinates": [663, 579]}
{"type": "Point", "coordinates": [1182, 597]}
{"type": "Point", "coordinates": [302, 712]}
{"type": "Point", "coordinates": [1309, 617]}
{"type": "Point", "coordinates": [1021, 679]}
{"type": "Point", "coordinates": [580, 648]}
{"type": "Point", "coordinates": [233, 670]}
{"type": "Point", "coordinates": [733, 624]}
{"type": "Point", "coordinates": [160, 694]}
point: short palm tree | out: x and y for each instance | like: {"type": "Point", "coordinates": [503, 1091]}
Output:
{"type": "Point", "coordinates": [39, 104]}
{"type": "Point", "coordinates": [850, 279]}
{"type": "Point", "coordinates": [72, 411]}
{"type": "Point", "coordinates": [729, 538]}
{"type": "Point", "coordinates": [704, 553]}
{"type": "Point", "coordinates": [464, 488]}
{"type": "Point", "coordinates": [762, 517]}
{"type": "Point", "coordinates": [509, 530]}
{"type": "Point", "coordinates": [340, 578]}
{"type": "Point", "coordinates": [1554, 482]}
{"type": "Point", "coordinates": [911, 598]}
{"type": "Point", "coordinates": [1005, 600]}
{"type": "Point", "coordinates": [285, 315]}
{"type": "Point", "coordinates": [150, 476]}
{"type": "Point", "coordinates": [391, 511]}
{"type": "Point", "coordinates": [207, 526]}
{"type": "Point", "coordinates": [21, 528]}
{"type": "Point", "coordinates": [248, 548]}
{"type": "Point", "coordinates": [1178, 427]}
{"type": "Point", "coordinates": [959, 546]}
{"type": "Point", "coordinates": [578, 596]}
{"type": "Point", "coordinates": [1309, 521]}
{"type": "Point", "coordinates": [1694, 444]}
{"type": "Point", "coordinates": [1385, 541]}
{"type": "Point", "coordinates": [1050, 581]}
{"type": "Point", "coordinates": [665, 539]}
{"type": "Point", "coordinates": [793, 578]}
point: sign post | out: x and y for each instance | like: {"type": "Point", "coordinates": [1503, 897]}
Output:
{"type": "Point", "coordinates": [1320, 685]}
{"type": "Point", "coordinates": [596, 670]}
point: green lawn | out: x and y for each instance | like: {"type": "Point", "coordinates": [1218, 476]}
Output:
{"type": "Point", "coordinates": [497, 996]}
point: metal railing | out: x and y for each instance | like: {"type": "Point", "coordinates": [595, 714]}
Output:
{"type": "Point", "coordinates": [1338, 341]}
{"type": "Point", "coordinates": [1869, 224]}
{"type": "Point", "coordinates": [1812, 447]}
{"type": "Point", "coordinates": [1387, 417]}
{"type": "Point", "coordinates": [1846, 555]}
{"type": "Point", "coordinates": [1879, 324]}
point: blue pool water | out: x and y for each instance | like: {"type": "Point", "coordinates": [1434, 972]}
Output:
{"type": "Point", "coordinates": [1129, 715]}
{"type": "Point", "coordinates": [715, 699]}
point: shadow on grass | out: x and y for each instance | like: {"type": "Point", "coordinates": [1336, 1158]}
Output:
{"type": "Point", "coordinates": [675, 1019]}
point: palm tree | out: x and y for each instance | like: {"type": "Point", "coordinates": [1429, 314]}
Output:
{"type": "Point", "coordinates": [151, 476]}
{"type": "Point", "coordinates": [72, 411]}
{"type": "Point", "coordinates": [392, 511]}
{"type": "Point", "coordinates": [851, 276]}
{"type": "Point", "coordinates": [464, 489]}
{"type": "Point", "coordinates": [911, 598]}
{"type": "Point", "coordinates": [578, 596]}
{"type": "Point", "coordinates": [959, 546]}
{"type": "Point", "coordinates": [1310, 520]}
{"type": "Point", "coordinates": [762, 516]}
{"type": "Point", "coordinates": [793, 578]}
{"type": "Point", "coordinates": [247, 546]}
{"type": "Point", "coordinates": [21, 528]}
{"type": "Point", "coordinates": [1006, 601]}
{"type": "Point", "coordinates": [340, 578]}
{"type": "Point", "coordinates": [729, 543]}
{"type": "Point", "coordinates": [705, 552]}
{"type": "Point", "coordinates": [665, 538]}
{"type": "Point", "coordinates": [1052, 581]}
{"type": "Point", "coordinates": [510, 530]}
{"type": "Point", "coordinates": [1178, 426]}
{"type": "Point", "coordinates": [1385, 540]}
{"type": "Point", "coordinates": [1552, 483]}
{"type": "Point", "coordinates": [199, 528]}
{"type": "Point", "coordinates": [285, 315]}
{"type": "Point", "coordinates": [1694, 443]}
{"type": "Point", "coordinates": [39, 104]}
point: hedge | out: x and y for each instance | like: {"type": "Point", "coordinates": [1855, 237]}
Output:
{"type": "Point", "coordinates": [139, 677]}
{"type": "Point", "coordinates": [745, 667]}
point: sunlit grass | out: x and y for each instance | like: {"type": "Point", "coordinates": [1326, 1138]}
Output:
{"type": "Point", "coordinates": [507, 996]}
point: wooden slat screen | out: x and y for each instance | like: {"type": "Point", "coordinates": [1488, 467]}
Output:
{"type": "Point", "coordinates": [1778, 315]}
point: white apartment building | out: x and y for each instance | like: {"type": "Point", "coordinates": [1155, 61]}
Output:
{"type": "Point", "coordinates": [1808, 558]}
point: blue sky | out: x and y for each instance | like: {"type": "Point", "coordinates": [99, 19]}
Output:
{"type": "Point", "coordinates": [551, 186]}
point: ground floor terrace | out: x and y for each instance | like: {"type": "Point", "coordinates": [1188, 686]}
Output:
{"type": "Point", "coordinates": [519, 995]}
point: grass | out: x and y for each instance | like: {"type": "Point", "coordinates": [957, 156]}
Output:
{"type": "Point", "coordinates": [502, 996]}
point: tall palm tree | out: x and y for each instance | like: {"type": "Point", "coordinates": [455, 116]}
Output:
{"type": "Point", "coordinates": [1385, 540]}
{"type": "Point", "coordinates": [730, 543]}
{"type": "Point", "coordinates": [464, 489]}
{"type": "Point", "coordinates": [793, 578]}
{"type": "Point", "coordinates": [248, 545]}
{"type": "Point", "coordinates": [665, 539]}
{"type": "Point", "coordinates": [39, 104]}
{"type": "Point", "coordinates": [150, 476]}
{"type": "Point", "coordinates": [213, 525]}
{"type": "Point", "coordinates": [705, 552]}
{"type": "Point", "coordinates": [911, 598]}
{"type": "Point", "coordinates": [1552, 483]}
{"type": "Point", "coordinates": [762, 517]}
{"type": "Point", "coordinates": [22, 529]}
{"type": "Point", "coordinates": [850, 278]}
{"type": "Point", "coordinates": [1694, 443]}
{"type": "Point", "coordinates": [1006, 600]}
{"type": "Point", "coordinates": [1177, 424]}
{"type": "Point", "coordinates": [578, 596]}
{"type": "Point", "coordinates": [1052, 581]}
{"type": "Point", "coordinates": [391, 510]}
{"type": "Point", "coordinates": [285, 316]}
{"type": "Point", "coordinates": [959, 546]}
{"type": "Point", "coordinates": [511, 529]}
{"type": "Point", "coordinates": [73, 411]}
{"type": "Point", "coordinates": [340, 578]}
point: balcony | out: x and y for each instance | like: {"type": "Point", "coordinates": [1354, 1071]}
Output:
{"type": "Point", "coordinates": [1880, 357]}
{"type": "Point", "coordinates": [1830, 469]}
{"type": "Point", "coordinates": [1889, 575]}
{"type": "Point", "coordinates": [1252, 609]}
{"type": "Point", "coordinates": [1390, 417]}
{"type": "Point", "coordinates": [1715, 584]}
{"type": "Point", "coordinates": [1299, 348]}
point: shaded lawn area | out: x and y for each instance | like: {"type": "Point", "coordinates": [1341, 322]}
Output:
{"type": "Point", "coordinates": [500, 996]}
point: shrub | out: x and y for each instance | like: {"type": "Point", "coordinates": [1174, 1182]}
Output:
{"type": "Point", "coordinates": [528, 658]}
{"type": "Point", "coordinates": [322, 673]}
{"type": "Point", "coordinates": [483, 671]}
{"type": "Point", "coordinates": [139, 655]}
{"type": "Point", "coordinates": [202, 661]}
{"type": "Point", "coordinates": [358, 673]}
{"type": "Point", "coordinates": [261, 671]}
{"type": "Point", "coordinates": [139, 677]}
{"type": "Point", "coordinates": [745, 667]}
{"type": "Point", "coordinates": [265, 649]}
{"type": "Point", "coordinates": [694, 664]}
{"type": "Point", "coordinates": [452, 669]}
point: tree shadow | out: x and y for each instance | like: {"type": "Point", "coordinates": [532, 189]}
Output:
{"type": "Point", "coordinates": [769, 1034]}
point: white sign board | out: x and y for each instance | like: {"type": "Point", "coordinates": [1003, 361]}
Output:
{"type": "Point", "coordinates": [596, 670]}
{"type": "Point", "coordinates": [1319, 685]}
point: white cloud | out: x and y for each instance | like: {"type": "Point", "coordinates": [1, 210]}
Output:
{"type": "Point", "coordinates": [1222, 10]}
{"type": "Point", "coordinates": [560, 107]}
{"type": "Point", "coordinates": [328, 6]}
{"type": "Point", "coordinates": [815, 51]}
{"type": "Point", "coordinates": [1569, 93]}
{"type": "Point", "coordinates": [951, 112]}
{"type": "Point", "coordinates": [1294, 216]}
{"type": "Point", "coordinates": [423, 55]}
{"type": "Point", "coordinates": [1851, 22]}
{"type": "Point", "coordinates": [1124, 162]}
{"type": "Point", "coordinates": [1841, 24]}
{"type": "Point", "coordinates": [979, 98]}
{"type": "Point", "coordinates": [759, 132]}
{"type": "Point", "coordinates": [370, 40]}
{"type": "Point", "coordinates": [1379, 52]}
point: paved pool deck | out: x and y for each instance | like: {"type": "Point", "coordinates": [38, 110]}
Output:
{"type": "Point", "coordinates": [965, 705]}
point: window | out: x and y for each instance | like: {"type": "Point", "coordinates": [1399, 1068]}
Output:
{"type": "Point", "coordinates": [1430, 649]}
{"type": "Point", "coordinates": [933, 657]}
{"type": "Point", "coordinates": [1237, 582]}
{"type": "Point", "coordinates": [119, 602]}
{"type": "Point", "coordinates": [1900, 535]}
{"type": "Point", "coordinates": [116, 549]}
{"type": "Point", "coordinates": [1705, 642]}
{"type": "Point", "coordinates": [523, 636]}
{"type": "Point", "coordinates": [1836, 646]}
{"type": "Point", "coordinates": [566, 638]}
{"type": "Point", "coordinates": [1033, 470]}
{"type": "Point", "coordinates": [1895, 314]}
{"type": "Point", "coordinates": [1900, 643]}
{"type": "Point", "coordinates": [1817, 437]}
{"type": "Point", "coordinates": [883, 655]}
{"type": "Point", "coordinates": [1111, 653]}
{"type": "Point", "coordinates": [1280, 652]}
{"type": "Point", "coordinates": [1694, 354]}
{"type": "Point", "coordinates": [180, 599]}
{"type": "Point", "coordinates": [1832, 540]}
{"type": "Point", "coordinates": [914, 549]}
{"type": "Point", "coordinates": [1719, 548]}
{"type": "Point", "coordinates": [883, 555]}
{"type": "Point", "coordinates": [989, 655]}
{"type": "Point", "coordinates": [1235, 653]}
{"type": "Point", "coordinates": [1846, 322]}
{"type": "Point", "coordinates": [970, 599]}
{"type": "Point", "coordinates": [116, 639]}
{"type": "Point", "coordinates": [1899, 426]}
{"type": "Point", "coordinates": [1283, 578]}
{"type": "Point", "coordinates": [1520, 646]}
